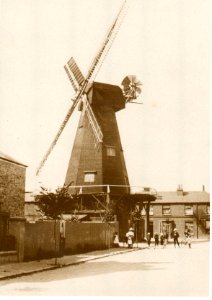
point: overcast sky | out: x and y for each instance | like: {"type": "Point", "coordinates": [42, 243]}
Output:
{"type": "Point", "coordinates": [164, 42]}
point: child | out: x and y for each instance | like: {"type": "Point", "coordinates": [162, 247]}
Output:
{"type": "Point", "coordinates": [130, 236]}
{"type": "Point", "coordinates": [148, 238]}
{"type": "Point", "coordinates": [165, 239]}
{"type": "Point", "coordinates": [189, 240]}
{"type": "Point", "coordinates": [116, 240]}
{"type": "Point", "coordinates": [156, 237]}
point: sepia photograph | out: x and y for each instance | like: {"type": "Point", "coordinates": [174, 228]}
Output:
{"type": "Point", "coordinates": [105, 148]}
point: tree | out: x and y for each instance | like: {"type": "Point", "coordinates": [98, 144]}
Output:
{"type": "Point", "coordinates": [53, 204]}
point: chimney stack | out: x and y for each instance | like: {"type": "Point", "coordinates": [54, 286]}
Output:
{"type": "Point", "coordinates": [203, 188]}
{"type": "Point", "coordinates": [180, 190]}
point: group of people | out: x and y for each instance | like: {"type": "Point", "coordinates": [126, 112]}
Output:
{"type": "Point", "coordinates": [162, 239]}
{"type": "Point", "coordinates": [159, 239]}
{"type": "Point", "coordinates": [129, 238]}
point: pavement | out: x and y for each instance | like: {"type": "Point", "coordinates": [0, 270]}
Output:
{"type": "Point", "coordinates": [13, 270]}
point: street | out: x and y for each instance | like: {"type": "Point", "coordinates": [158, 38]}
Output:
{"type": "Point", "coordinates": [148, 272]}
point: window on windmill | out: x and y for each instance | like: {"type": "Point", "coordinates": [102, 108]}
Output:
{"type": "Point", "coordinates": [188, 210]}
{"type": "Point", "coordinates": [89, 177]}
{"type": "Point", "coordinates": [111, 151]}
{"type": "Point", "coordinates": [166, 210]}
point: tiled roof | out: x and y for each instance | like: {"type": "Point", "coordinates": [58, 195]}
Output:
{"type": "Point", "coordinates": [187, 197]}
{"type": "Point", "coordinates": [10, 159]}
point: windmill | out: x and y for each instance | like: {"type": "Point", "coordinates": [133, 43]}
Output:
{"type": "Point", "coordinates": [97, 155]}
{"type": "Point", "coordinates": [96, 168]}
{"type": "Point", "coordinates": [97, 162]}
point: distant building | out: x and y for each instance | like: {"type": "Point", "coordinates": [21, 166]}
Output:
{"type": "Point", "coordinates": [12, 190]}
{"type": "Point", "coordinates": [181, 210]}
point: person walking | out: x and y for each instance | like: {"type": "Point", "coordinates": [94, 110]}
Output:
{"type": "Point", "coordinates": [165, 238]}
{"type": "Point", "coordinates": [189, 240]}
{"type": "Point", "coordinates": [156, 237]}
{"type": "Point", "coordinates": [148, 238]}
{"type": "Point", "coordinates": [162, 240]}
{"type": "Point", "coordinates": [176, 237]}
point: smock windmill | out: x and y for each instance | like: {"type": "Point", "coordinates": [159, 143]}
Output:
{"type": "Point", "coordinates": [97, 157]}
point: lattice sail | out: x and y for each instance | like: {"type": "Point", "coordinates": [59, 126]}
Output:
{"type": "Point", "coordinates": [74, 85]}
{"type": "Point", "coordinates": [74, 69]}
{"type": "Point", "coordinates": [92, 120]}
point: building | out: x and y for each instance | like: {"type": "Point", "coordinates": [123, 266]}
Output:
{"type": "Point", "coordinates": [181, 210]}
{"type": "Point", "coordinates": [12, 194]}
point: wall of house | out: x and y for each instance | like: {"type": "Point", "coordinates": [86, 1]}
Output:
{"type": "Point", "coordinates": [179, 218]}
{"type": "Point", "coordinates": [12, 182]}
{"type": "Point", "coordinates": [79, 237]}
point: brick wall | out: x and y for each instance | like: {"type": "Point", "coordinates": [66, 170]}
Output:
{"type": "Point", "coordinates": [12, 188]}
{"type": "Point", "coordinates": [180, 219]}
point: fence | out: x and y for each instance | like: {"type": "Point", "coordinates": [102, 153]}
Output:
{"type": "Point", "coordinates": [78, 237]}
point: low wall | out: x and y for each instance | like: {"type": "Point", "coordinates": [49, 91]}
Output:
{"type": "Point", "coordinates": [79, 237]}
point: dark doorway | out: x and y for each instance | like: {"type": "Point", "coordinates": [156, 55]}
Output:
{"type": "Point", "coordinates": [139, 230]}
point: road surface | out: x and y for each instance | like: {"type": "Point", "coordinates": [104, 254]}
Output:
{"type": "Point", "coordinates": [149, 272]}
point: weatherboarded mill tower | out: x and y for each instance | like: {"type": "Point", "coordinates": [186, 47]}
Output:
{"type": "Point", "coordinates": [97, 156]}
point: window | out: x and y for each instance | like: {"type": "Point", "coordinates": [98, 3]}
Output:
{"type": "Point", "coordinates": [111, 151]}
{"type": "Point", "coordinates": [189, 226]}
{"type": "Point", "coordinates": [188, 210]}
{"type": "Point", "coordinates": [166, 210]}
{"type": "Point", "coordinates": [89, 177]}
{"type": "Point", "coordinates": [208, 209]}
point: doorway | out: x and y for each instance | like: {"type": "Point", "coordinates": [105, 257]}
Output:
{"type": "Point", "coordinates": [166, 227]}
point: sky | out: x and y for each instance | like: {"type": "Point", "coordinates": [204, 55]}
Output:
{"type": "Point", "coordinates": [166, 44]}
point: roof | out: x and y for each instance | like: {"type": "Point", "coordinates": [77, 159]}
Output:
{"type": "Point", "coordinates": [187, 197]}
{"type": "Point", "coordinates": [10, 159]}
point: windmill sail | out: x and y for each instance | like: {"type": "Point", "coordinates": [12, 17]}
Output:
{"type": "Point", "coordinates": [79, 78]}
{"type": "Point", "coordinates": [73, 67]}
{"type": "Point", "coordinates": [93, 122]}
{"type": "Point", "coordinates": [74, 85]}
{"type": "Point", "coordinates": [95, 66]}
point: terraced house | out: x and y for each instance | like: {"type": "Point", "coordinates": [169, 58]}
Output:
{"type": "Point", "coordinates": [181, 210]}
